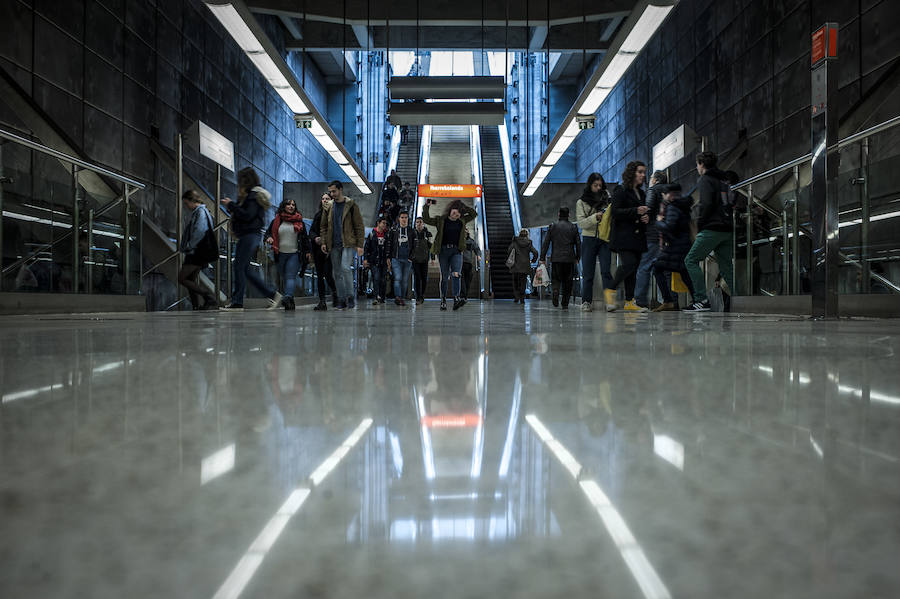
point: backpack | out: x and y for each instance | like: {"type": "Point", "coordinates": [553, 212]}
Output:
{"type": "Point", "coordinates": [511, 258]}
{"type": "Point", "coordinates": [728, 201]}
{"type": "Point", "coordinates": [208, 248]}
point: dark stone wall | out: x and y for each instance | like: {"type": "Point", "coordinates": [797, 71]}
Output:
{"type": "Point", "coordinates": [112, 74]}
{"type": "Point", "coordinates": [735, 68]}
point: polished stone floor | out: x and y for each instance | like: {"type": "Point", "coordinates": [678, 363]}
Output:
{"type": "Point", "coordinates": [492, 452]}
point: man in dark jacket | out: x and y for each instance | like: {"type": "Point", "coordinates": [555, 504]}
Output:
{"type": "Point", "coordinates": [402, 247]}
{"type": "Point", "coordinates": [566, 242]}
{"type": "Point", "coordinates": [376, 257]}
{"type": "Point", "coordinates": [323, 264]}
{"type": "Point", "coordinates": [715, 230]}
{"type": "Point", "coordinates": [674, 227]}
{"type": "Point", "coordinates": [421, 251]}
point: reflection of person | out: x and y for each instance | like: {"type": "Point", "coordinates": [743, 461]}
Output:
{"type": "Point", "coordinates": [450, 242]}
{"type": "Point", "coordinates": [198, 251]}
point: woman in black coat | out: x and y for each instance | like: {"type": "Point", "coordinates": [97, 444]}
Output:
{"type": "Point", "coordinates": [628, 237]}
{"type": "Point", "coordinates": [675, 241]}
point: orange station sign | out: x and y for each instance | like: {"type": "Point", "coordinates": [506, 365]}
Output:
{"type": "Point", "coordinates": [824, 43]}
{"type": "Point", "coordinates": [449, 190]}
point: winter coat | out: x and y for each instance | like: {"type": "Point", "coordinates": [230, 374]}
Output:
{"type": "Point", "coordinates": [628, 233]}
{"type": "Point", "coordinates": [712, 217]}
{"type": "Point", "coordinates": [394, 240]}
{"type": "Point", "coordinates": [586, 216]}
{"type": "Point", "coordinates": [422, 246]}
{"type": "Point", "coordinates": [247, 216]}
{"type": "Point", "coordinates": [315, 231]}
{"type": "Point", "coordinates": [525, 254]}
{"type": "Point", "coordinates": [377, 249]}
{"type": "Point", "coordinates": [675, 234]}
{"type": "Point", "coordinates": [353, 232]}
{"type": "Point", "coordinates": [566, 242]}
{"type": "Point", "coordinates": [468, 214]}
{"type": "Point", "coordinates": [654, 199]}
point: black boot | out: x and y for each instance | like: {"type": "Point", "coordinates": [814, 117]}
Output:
{"type": "Point", "coordinates": [443, 303]}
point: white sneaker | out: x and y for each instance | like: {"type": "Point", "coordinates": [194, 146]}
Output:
{"type": "Point", "coordinates": [275, 302]}
{"type": "Point", "coordinates": [586, 307]}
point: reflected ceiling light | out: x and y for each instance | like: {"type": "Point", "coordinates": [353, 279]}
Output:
{"type": "Point", "coordinates": [640, 27]}
{"type": "Point", "coordinates": [338, 454]}
{"type": "Point", "coordinates": [8, 397]}
{"type": "Point", "coordinates": [641, 569]}
{"type": "Point", "coordinates": [669, 449]}
{"type": "Point", "coordinates": [217, 464]}
{"type": "Point", "coordinates": [556, 448]}
{"type": "Point", "coordinates": [239, 22]}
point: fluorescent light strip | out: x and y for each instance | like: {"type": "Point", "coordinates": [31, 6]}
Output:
{"type": "Point", "coordinates": [338, 454]}
{"type": "Point", "coordinates": [8, 397]}
{"type": "Point", "coordinates": [643, 572]}
{"type": "Point", "coordinates": [641, 33]}
{"type": "Point", "coordinates": [556, 448]}
{"type": "Point", "coordinates": [277, 75]}
{"type": "Point", "coordinates": [669, 449]}
{"type": "Point", "coordinates": [215, 465]}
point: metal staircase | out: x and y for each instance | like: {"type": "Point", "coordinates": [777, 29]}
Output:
{"type": "Point", "coordinates": [498, 214]}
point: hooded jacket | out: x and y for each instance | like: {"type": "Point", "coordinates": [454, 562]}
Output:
{"type": "Point", "coordinates": [566, 242]}
{"type": "Point", "coordinates": [712, 218]}
{"type": "Point", "coordinates": [675, 235]}
{"type": "Point", "coordinates": [394, 240]}
{"type": "Point", "coordinates": [378, 248]}
{"type": "Point", "coordinates": [525, 254]}
{"type": "Point", "coordinates": [422, 247]}
{"type": "Point", "coordinates": [628, 232]}
{"type": "Point", "coordinates": [353, 233]}
{"type": "Point", "coordinates": [247, 216]}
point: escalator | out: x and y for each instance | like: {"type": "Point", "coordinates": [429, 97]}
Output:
{"type": "Point", "coordinates": [498, 214]}
{"type": "Point", "coordinates": [407, 166]}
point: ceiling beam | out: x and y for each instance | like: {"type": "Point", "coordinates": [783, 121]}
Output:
{"type": "Point", "coordinates": [538, 37]}
{"type": "Point", "coordinates": [363, 36]}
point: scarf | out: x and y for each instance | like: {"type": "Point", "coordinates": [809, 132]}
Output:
{"type": "Point", "coordinates": [295, 218]}
{"type": "Point", "coordinates": [597, 201]}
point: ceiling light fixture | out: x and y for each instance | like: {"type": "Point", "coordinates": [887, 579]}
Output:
{"type": "Point", "coordinates": [637, 30]}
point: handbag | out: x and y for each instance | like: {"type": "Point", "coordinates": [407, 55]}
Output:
{"type": "Point", "coordinates": [208, 248]}
{"type": "Point", "coordinates": [678, 285]}
{"type": "Point", "coordinates": [541, 278]}
{"type": "Point", "coordinates": [603, 229]}
{"type": "Point", "coordinates": [511, 258]}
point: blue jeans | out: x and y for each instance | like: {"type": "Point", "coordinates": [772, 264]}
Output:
{"type": "Point", "coordinates": [288, 265]}
{"type": "Point", "coordinates": [243, 271]}
{"type": "Point", "coordinates": [379, 272]}
{"type": "Point", "coordinates": [645, 269]}
{"type": "Point", "coordinates": [450, 260]}
{"type": "Point", "coordinates": [593, 249]}
{"type": "Point", "coordinates": [341, 262]}
{"type": "Point", "coordinates": [401, 270]}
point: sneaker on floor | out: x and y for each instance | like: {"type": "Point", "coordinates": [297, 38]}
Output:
{"type": "Point", "coordinates": [665, 307]}
{"type": "Point", "coordinates": [443, 304]}
{"type": "Point", "coordinates": [609, 296]}
{"type": "Point", "coordinates": [289, 304]}
{"type": "Point", "coordinates": [587, 307]}
{"type": "Point", "coordinates": [632, 306]}
{"type": "Point", "coordinates": [350, 303]}
{"type": "Point", "coordinates": [458, 303]}
{"type": "Point", "coordinates": [321, 307]}
{"type": "Point", "coordinates": [275, 301]}
{"type": "Point", "coordinates": [233, 308]}
{"type": "Point", "coordinates": [419, 302]}
{"type": "Point", "coordinates": [698, 307]}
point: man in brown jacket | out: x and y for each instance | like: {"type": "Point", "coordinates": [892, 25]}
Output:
{"type": "Point", "coordinates": [344, 242]}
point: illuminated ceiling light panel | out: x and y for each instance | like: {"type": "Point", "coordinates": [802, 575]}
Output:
{"type": "Point", "coordinates": [645, 28]}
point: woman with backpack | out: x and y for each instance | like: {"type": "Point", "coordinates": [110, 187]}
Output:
{"type": "Point", "coordinates": [200, 247]}
{"type": "Point", "coordinates": [589, 211]}
{"type": "Point", "coordinates": [525, 253]}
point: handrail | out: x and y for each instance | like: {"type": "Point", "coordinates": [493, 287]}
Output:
{"type": "Point", "coordinates": [511, 188]}
{"type": "Point", "coordinates": [481, 233]}
{"type": "Point", "coordinates": [858, 136]}
{"type": "Point", "coordinates": [68, 158]}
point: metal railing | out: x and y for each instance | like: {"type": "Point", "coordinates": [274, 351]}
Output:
{"type": "Point", "coordinates": [78, 167]}
{"type": "Point", "coordinates": [791, 238]}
